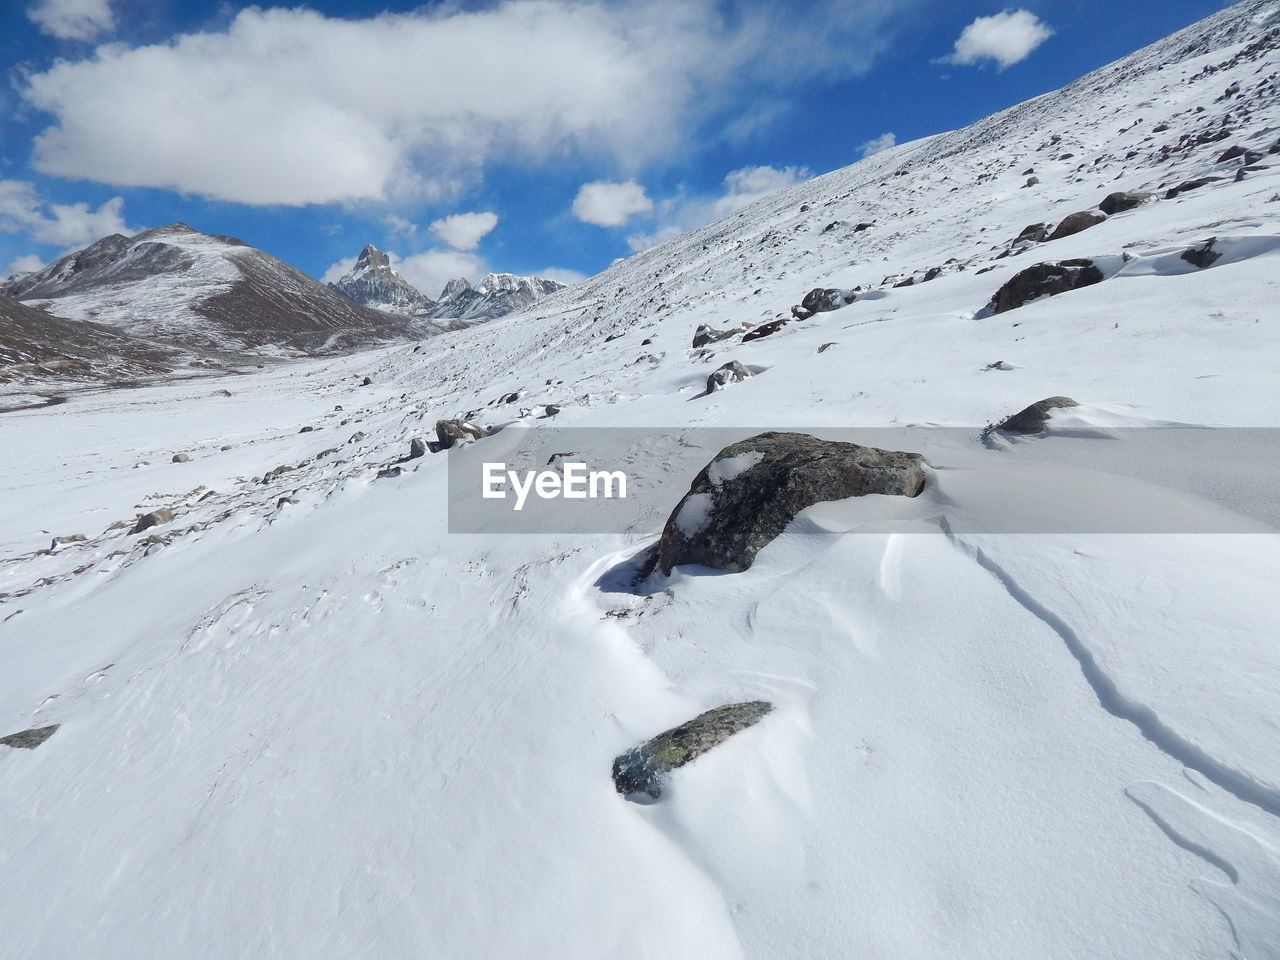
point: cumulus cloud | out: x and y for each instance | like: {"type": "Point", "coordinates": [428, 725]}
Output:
{"type": "Point", "coordinates": [464, 231]}
{"type": "Point", "coordinates": [72, 19]}
{"type": "Point", "coordinates": [27, 263]}
{"type": "Point", "coordinates": [288, 106]}
{"type": "Point", "coordinates": [610, 204]}
{"type": "Point", "coordinates": [1006, 38]}
{"type": "Point", "coordinates": [563, 274]}
{"type": "Point", "coordinates": [399, 225]}
{"type": "Point", "coordinates": [741, 187]}
{"type": "Point", "coordinates": [875, 145]}
{"type": "Point", "coordinates": [64, 224]}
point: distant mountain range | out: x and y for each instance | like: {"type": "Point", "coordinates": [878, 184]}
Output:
{"type": "Point", "coordinates": [374, 283]}
{"type": "Point", "coordinates": [126, 306]}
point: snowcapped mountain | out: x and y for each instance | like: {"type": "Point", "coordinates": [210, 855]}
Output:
{"type": "Point", "coordinates": [373, 283]}
{"type": "Point", "coordinates": [200, 291]}
{"type": "Point", "coordinates": [497, 295]}
{"type": "Point", "coordinates": [981, 745]}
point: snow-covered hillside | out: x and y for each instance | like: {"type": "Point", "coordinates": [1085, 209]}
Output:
{"type": "Point", "coordinates": [201, 291]}
{"type": "Point", "coordinates": [302, 718]}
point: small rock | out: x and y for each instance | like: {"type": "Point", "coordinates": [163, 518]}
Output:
{"type": "Point", "coordinates": [306, 430]}
{"type": "Point", "coordinates": [824, 299]}
{"type": "Point", "coordinates": [706, 334]}
{"type": "Point", "coordinates": [731, 372]}
{"type": "Point", "coordinates": [148, 520]}
{"type": "Point", "coordinates": [1190, 185]}
{"type": "Point", "coordinates": [356, 437]}
{"type": "Point", "coordinates": [1031, 182]}
{"type": "Point", "coordinates": [1203, 255]}
{"type": "Point", "coordinates": [449, 432]}
{"type": "Point", "coordinates": [30, 739]}
{"type": "Point", "coordinates": [338, 408]}
{"type": "Point", "coordinates": [1033, 233]}
{"type": "Point", "coordinates": [181, 458]}
{"type": "Point", "coordinates": [1033, 418]}
{"type": "Point", "coordinates": [417, 448]}
{"type": "Point", "coordinates": [827, 346]}
{"type": "Point", "coordinates": [1044, 280]}
{"type": "Point", "coordinates": [1077, 222]}
{"type": "Point", "coordinates": [1231, 153]}
{"type": "Point", "coordinates": [1124, 200]}
{"type": "Point", "coordinates": [765, 330]}
{"type": "Point", "coordinates": [642, 769]}
{"type": "Point", "coordinates": [366, 381]}
{"type": "Point", "coordinates": [387, 473]}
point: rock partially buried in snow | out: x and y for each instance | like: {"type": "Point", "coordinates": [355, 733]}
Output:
{"type": "Point", "coordinates": [417, 448]}
{"type": "Point", "coordinates": [29, 739]}
{"type": "Point", "coordinates": [731, 372]}
{"type": "Point", "coordinates": [642, 769]}
{"type": "Point", "coordinates": [1076, 223]}
{"type": "Point", "coordinates": [1202, 256]}
{"type": "Point", "coordinates": [449, 432]}
{"type": "Point", "coordinates": [1044, 280]}
{"type": "Point", "coordinates": [752, 489]}
{"type": "Point", "coordinates": [1032, 419]}
{"type": "Point", "coordinates": [706, 334]}
{"type": "Point", "coordinates": [153, 519]}
{"type": "Point", "coordinates": [181, 458]}
{"type": "Point", "coordinates": [1124, 200]}
{"type": "Point", "coordinates": [825, 299]}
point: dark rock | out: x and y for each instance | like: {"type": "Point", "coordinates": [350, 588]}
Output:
{"type": "Point", "coordinates": [366, 381]}
{"type": "Point", "coordinates": [356, 437]}
{"type": "Point", "coordinates": [706, 334]}
{"type": "Point", "coordinates": [1044, 280]}
{"type": "Point", "coordinates": [931, 274]}
{"type": "Point", "coordinates": [1033, 233]}
{"type": "Point", "coordinates": [646, 341]}
{"type": "Point", "coordinates": [306, 429]}
{"type": "Point", "coordinates": [181, 458]}
{"type": "Point", "coordinates": [153, 519]}
{"type": "Point", "coordinates": [800, 313]}
{"type": "Point", "coordinates": [805, 208]}
{"type": "Point", "coordinates": [1231, 153]}
{"type": "Point", "coordinates": [508, 398]}
{"type": "Point", "coordinates": [752, 489]}
{"type": "Point", "coordinates": [1031, 182]}
{"type": "Point", "coordinates": [642, 769]}
{"type": "Point", "coordinates": [386, 473]}
{"type": "Point", "coordinates": [1033, 418]}
{"type": "Point", "coordinates": [1160, 128]}
{"type": "Point", "coordinates": [1124, 200]}
{"type": "Point", "coordinates": [765, 330]}
{"type": "Point", "coordinates": [278, 471]}
{"type": "Point", "coordinates": [417, 448]}
{"type": "Point", "coordinates": [731, 372]}
{"type": "Point", "coordinates": [30, 739]}
{"type": "Point", "coordinates": [858, 228]}
{"type": "Point", "coordinates": [823, 299]}
{"type": "Point", "coordinates": [1077, 222]}
{"type": "Point", "coordinates": [449, 432]}
{"type": "Point", "coordinates": [338, 408]}
{"type": "Point", "coordinates": [827, 346]}
{"type": "Point", "coordinates": [1252, 156]}
{"type": "Point", "coordinates": [551, 409]}
{"type": "Point", "coordinates": [909, 282]}
{"type": "Point", "coordinates": [1203, 255]}
{"type": "Point", "coordinates": [1190, 185]}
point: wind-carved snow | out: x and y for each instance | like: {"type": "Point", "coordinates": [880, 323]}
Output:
{"type": "Point", "coordinates": [983, 746]}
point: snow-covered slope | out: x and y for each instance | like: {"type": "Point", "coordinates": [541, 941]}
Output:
{"type": "Point", "coordinates": [372, 282]}
{"type": "Point", "coordinates": [304, 719]}
{"type": "Point", "coordinates": [176, 285]}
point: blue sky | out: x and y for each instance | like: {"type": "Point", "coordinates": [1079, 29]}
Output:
{"type": "Point", "coordinates": [531, 136]}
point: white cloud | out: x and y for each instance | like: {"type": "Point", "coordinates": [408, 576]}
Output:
{"type": "Point", "coordinates": [25, 264]}
{"type": "Point", "coordinates": [1006, 38]}
{"type": "Point", "coordinates": [741, 187]}
{"type": "Point", "coordinates": [464, 231]}
{"type": "Point", "coordinates": [610, 204]}
{"type": "Point", "coordinates": [339, 270]}
{"type": "Point", "coordinates": [64, 225]}
{"type": "Point", "coordinates": [563, 274]}
{"type": "Point", "coordinates": [399, 225]}
{"type": "Point", "coordinates": [875, 145]}
{"type": "Point", "coordinates": [72, 19]}
{"type": "Point", "coordinates": [288, 106]}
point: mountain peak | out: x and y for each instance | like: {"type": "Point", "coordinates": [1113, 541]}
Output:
{"type": "Point", "coordinates": [371, 258]}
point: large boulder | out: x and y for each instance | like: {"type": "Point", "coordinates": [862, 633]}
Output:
{"type": "Point", "coordinates": [1075, 223]}
{"type": "Point", "coordinates": [752, 489]}
{"type": "Point", "coordinates": [1033, 233]}
{"type": "Point", "coordinates": [1044, 280]}
{"type": "Point", "coordinates": [153, 519]}
{"type": "Point", "coordinates": [30, 739]}
{"type": "Point", "coordinates": [823, 299]}
{"type": "Point", "coordinates": [1032, 419]}
{"type": "Point", "coordinates": [1203, 255]}
{"type": "Point", "coordinates": [1124, 200]}
{"type": "Point", "coordinates": [1188, 185]}
{"type": "Point", "coordinates": [731, 372]}
{"type": "Point", "coordinates": [449, 432]}
{"type": "Point", "coordinates": [642, 769]}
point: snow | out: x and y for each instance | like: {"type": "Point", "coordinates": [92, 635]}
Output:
{"type": "Point", "coordinates": [329, 727]}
